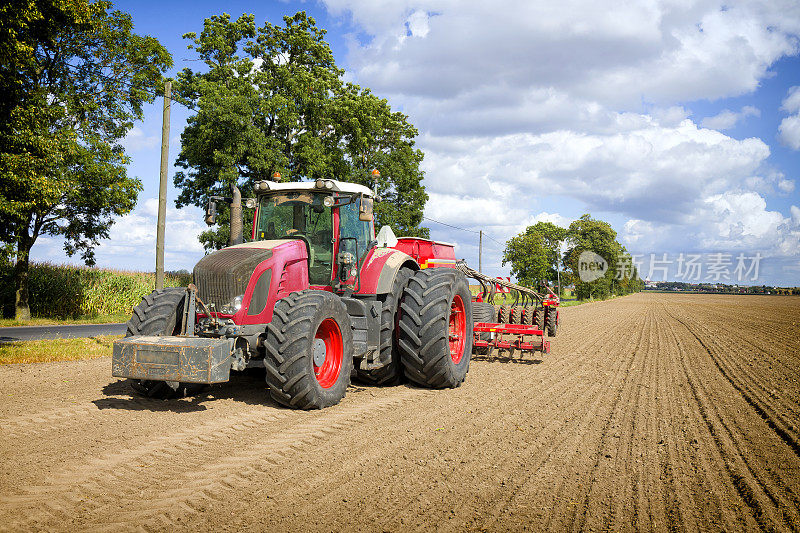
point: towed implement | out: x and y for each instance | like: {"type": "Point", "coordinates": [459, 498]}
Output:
{"type": "Point", "coordinates": [314, 298]}
{"type": "Point", "coordinates": [519, 326]}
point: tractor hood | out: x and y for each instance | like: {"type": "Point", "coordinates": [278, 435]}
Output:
{"type": "Point", "coordinates": [224, 274]}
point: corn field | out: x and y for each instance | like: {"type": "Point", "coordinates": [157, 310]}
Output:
{"type": "Point", "coordinates": [65, 291]}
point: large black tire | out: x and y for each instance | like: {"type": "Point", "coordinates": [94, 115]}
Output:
{"type": "Point", "coordinates": [160, 313]}
{"type": "Point", "coordinates": [528, 316]}
{"type": "Point", "coordinates": [538, 318]}
{"type": "Point", "coordinates": [427, 306]}
{"type": "Point", "coordinates": [551, 318]}
{"type": "Point", "coordinates": [392, 372]}
{"type": "Point", "coordinates": [482, 312]}
{"type": "Point", "coordinates": [297, 322]}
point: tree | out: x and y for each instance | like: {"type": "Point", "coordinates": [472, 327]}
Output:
{"type": "Point", "coordinates": [271, 99]}
{"type": "Point", "coordinates": [589, 234]}
{"type": "Point", "coordinates": [74, 78]}
{"type": "Point", "coordinates": [535, 253]}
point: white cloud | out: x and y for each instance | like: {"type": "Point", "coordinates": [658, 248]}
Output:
{"type": "Point", "coordinates": [132, 240]}
{"type": "Point", "coordinates": [136, 140]}
{"type": "Point", "coordinates": [726, 119]}
{"type": "Point", "coordinates": [786, 186]}
{"type": "Point", "coordinates": [620, 53]}
{"type": "Point", "coordinates": [791, 104]}
{"type": "Point", "coordinates": [530, 106]}
{"type": "Point", "coordinates": [789, 131]}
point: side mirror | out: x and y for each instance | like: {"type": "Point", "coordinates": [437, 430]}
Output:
{"type": "Point", "coordinates": [365, 209]}
{"type": "Point", "coordinates": [211, 213]}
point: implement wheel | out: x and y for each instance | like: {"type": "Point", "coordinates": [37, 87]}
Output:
{"type": "Point", "coordinates": [392, 371]}
{"type": "Point", "coordinates": [538, 318]}
{"type": "Point", "coordinates": [436, 328]}
{"type": "Point", "coordinates": [309, 350]}
{"type": "Point", "coordinates": [551, 317]}
{"type": "Point", "coordinates": [482, 312]}
{"type": "Point", "coordinates": [503, 314]}
{"type": "Point", "coordinates": [160, 313]}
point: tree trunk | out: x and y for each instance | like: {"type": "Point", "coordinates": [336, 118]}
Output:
{"type": "Point", "coordinates": [22, 307]}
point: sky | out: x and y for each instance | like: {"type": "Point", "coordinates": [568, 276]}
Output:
{"type": "Point", "coordinates": [677, 121]}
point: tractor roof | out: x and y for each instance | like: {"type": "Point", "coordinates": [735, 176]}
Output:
{"type": "Point", "coordinates": [318, 185]}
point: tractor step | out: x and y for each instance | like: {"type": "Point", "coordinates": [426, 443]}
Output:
{"type": "Point", "coordinates": [182, 359]}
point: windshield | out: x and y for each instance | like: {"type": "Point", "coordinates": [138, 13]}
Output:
{"type": "Point", "coordinates": [300, 215]}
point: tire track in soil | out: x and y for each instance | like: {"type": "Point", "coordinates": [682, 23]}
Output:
{"type": "Point", "coordinates": [552, 442]}
{"type": "Point", "coordinates": [752, 490]}
{"type": "Point", "coordinates": [514, 388]}
{"type": "Point", "coordinates": [41, 422]}
{"type": "Point", "coordinates": [762, 406]}
{"type": "Point", "coordinates": [565, 382]}
{"type": "Point", "coordinates": [547, 440]}
{"type": "Point", "coordinates": [108, 491]}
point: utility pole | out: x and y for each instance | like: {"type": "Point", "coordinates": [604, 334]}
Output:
{"type": "Point", "coordinates": [162, 189]}
{"type": "Point", "coordinates": [480, 251]}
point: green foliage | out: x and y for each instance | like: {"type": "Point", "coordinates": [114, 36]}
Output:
{"type": "Point", "coordinates": [63, 291]}
{"type": "Point", "coordinates": [271, 99]}
{"type": "Point", "coordinates": [73, 78]}
{"type": "Point", "coordinates": [598, 236]}
{"type": "Point", "coordinates": [535, 253]}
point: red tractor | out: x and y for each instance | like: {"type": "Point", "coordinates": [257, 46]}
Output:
{"type": "Point", "coordinates": [314, 298]}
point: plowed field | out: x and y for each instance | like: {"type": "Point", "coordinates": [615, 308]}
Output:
{"type": "Point", "coordinates": [653, 411]}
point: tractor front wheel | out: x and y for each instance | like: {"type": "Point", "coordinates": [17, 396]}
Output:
{"type": "Point", "coordinates": [160, 313]}
{"type": "Point", "coordinates": [436, 328]}
{"type": "Point", "coordinates": [309, 350]}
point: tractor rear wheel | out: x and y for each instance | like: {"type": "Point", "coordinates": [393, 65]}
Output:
{"type": "Point", "coordinates": [160, 313]}
{"type": "Point", "coordinates": [482, 312]}
{"type": "Point", "coordinates": [552, 321]}
{"type": "Point", "coordinates": [309, 350]}
{"type": "Point", "coordinates": [436, 328]}
{"type": "Point", "coordinates": [392, 372]}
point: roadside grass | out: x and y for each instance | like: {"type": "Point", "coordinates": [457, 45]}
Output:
{"type": "Point", "coordinates": [52, 350]}
{"type": "Point", "coordinates": [85, 319]}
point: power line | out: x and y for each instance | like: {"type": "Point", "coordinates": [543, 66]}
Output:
{"type": "Point", "coordinates": [450, 225]}
{"type": "Point", "coordinates": [463, 229]}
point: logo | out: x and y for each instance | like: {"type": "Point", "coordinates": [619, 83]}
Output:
{"type": "Point", "coordinates": [591, 266]}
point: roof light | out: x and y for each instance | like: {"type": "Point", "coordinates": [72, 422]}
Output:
{"type": "Point", "coordinates": [276, 176]}
{"type": "Point", "coordinates": [319, 184]}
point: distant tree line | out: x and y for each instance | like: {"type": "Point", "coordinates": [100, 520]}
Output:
{"type": "Point", "coordinates": [536, 258]}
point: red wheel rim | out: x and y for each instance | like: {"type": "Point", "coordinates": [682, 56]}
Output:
{"type": "Point", "coordinates": [331, 335]}
{"type": "Point", "coordinates": [458, 329]}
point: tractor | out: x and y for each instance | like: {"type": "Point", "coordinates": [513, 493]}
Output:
{"type": "Point", "coordinates": [314, 299]}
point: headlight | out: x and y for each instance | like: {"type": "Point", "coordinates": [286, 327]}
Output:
{"type": "Point", "coordinates": [232, 307]}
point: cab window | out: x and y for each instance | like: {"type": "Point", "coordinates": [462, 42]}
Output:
{"type": "Point", "coordinates": [302, 216]}
{"type": "Point", "coordinates": [353, 231]}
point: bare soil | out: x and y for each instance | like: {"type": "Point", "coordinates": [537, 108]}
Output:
{"type": "Point", "coordinates": [653, 412]}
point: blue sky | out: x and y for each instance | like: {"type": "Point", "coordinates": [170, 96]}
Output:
{"type": "Point", "coordinates": [676, 122]}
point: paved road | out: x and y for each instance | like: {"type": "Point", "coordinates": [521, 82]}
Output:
{"type": "Point", "coordinates": [30, 333]}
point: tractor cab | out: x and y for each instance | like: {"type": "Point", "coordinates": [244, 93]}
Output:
{"type": "Point", "coordinates": [333, 219]}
